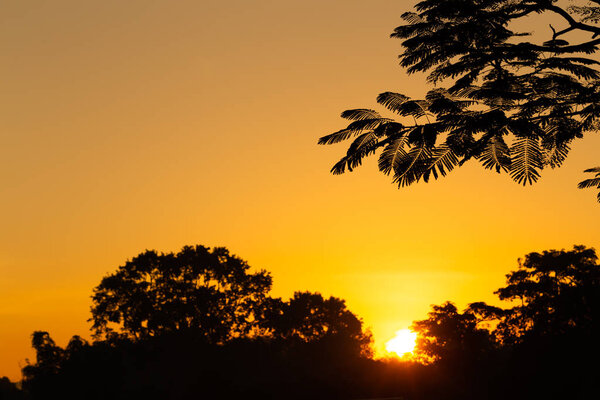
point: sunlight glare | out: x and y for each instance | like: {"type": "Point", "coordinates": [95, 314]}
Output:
{"type": "Point", "coordinates": [403, 343]}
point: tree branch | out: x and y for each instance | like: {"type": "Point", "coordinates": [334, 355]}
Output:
{"type": "Point", "coordinates": [574, 24]}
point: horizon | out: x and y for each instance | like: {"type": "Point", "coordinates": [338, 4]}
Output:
{"type": "Point", "coordinates": [154, 125]}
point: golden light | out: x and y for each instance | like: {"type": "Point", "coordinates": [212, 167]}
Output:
{"type": "Point", "coordinates": [403, 343]}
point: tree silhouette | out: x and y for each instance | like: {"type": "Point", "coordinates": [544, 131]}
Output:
{"type": "Point", "coordinates": [553, 294]}
{"type": "Point", "coordinates": [209, 291]}
{"type": "Point", "coordinates": [511, 100]}
{"type": "Point", "coordinates": [450, 336]}
{"type": "Point", "coordinates": [557, 293]}
{"type": "Point", "coordinates": [197, 322]}
{"type": "Point", "coordinates": [48, 355]}
{"type": "Point", "coordinates": [9, 391]}
{"type": "Point", "coordinates": [308, 317]}
{"type": "Point", "coordinates": [541, 346]}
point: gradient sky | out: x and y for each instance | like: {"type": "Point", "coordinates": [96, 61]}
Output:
{"type": "Point", "coordinates": [133, 125]}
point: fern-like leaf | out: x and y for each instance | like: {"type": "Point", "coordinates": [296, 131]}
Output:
{"type": "Point", "coordinates": [336, 137]}
{"type": "Point", "coordinates": [412, 166]}
{"type": "Point", "coordinates": [392, 154]}
{"type": "Point", "coordinates": [354, 128]}
{"type": "Point", "coordinates": [593, 182]}
{"type": "Point", "coordinates": [392, 101]}
{"type": "Point", "coordinates": [360, 114]}
{"type": "Point", "coordinates": [555, 155]}
{"type": "Point", "coordinates": [443, 161]}
{"type": "Point", "coordinates": [588, 183]}
{"type": "Point", "coordinates": [360, 148]}
{"type": "Point", "coordinates": [496, 155]}
{"type": "Point", "coordinates": [526, 160]}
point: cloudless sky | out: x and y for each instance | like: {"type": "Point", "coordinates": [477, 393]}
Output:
{"type": "Point", "coordinates": [154, 124]}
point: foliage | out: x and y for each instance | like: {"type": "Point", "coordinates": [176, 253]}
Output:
{"type": "Point", "coordinates": [451, 336]}
{"type": "Point", "coordinates": [592, 182]}
{"type": "Point", "coordinates": [176, 325]}
{"type": "Point", "coordinates": [308, 317]}
{"type": "Point", "coordinates": [557, 293]}
{"type": "Point", "coordinates": [210, 291]}
{"type": "Point", "coordinates": [179, 365]}
{"type": "Point", "coordinates": [549, 333]}
{"type": "Point", "coordinates": [553, 294]}
{"type": "Point", "coordinates": [510, 101]}
{"type": "Point", "coordinates": [314, 347]}
{"type": "Point", "coordinates": [9, 390]}
{"type": "Point", "coordinates": [48, 355]}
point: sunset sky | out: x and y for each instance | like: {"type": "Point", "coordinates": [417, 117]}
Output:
{"type": "Point", "coordinates": [154, 124]}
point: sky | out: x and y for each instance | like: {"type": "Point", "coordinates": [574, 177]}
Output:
{"type": "Point", "coordinates": [154, 124]}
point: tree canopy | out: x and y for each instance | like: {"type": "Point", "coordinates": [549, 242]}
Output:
{"type": "Point", "coordinates": [451, 336]}
{"type": "Point", "coordinates": [309, 317]}
{"type": "Point", "coordinates": [556, 293]}
{"type": "Point", "coordinates": [172, 325]}
{"type": "Point", "coordinates": [510, 99]}
{"type": "Point", "coordinates": [542, 345]}
{"type": "Point", "coordinates": [553, 295]}
{"type": "Point", "coordinates": [210, 291]}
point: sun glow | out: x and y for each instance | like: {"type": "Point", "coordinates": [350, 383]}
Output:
{"type": "Point", "coordinates": [403, 343]}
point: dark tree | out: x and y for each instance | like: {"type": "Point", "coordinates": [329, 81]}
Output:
{"type": "Point", "coordinates": [48, 356]}
{"type": "Point", "coordinates": [450, 336]}
{"type": "Point", "coordinates": [308, 317]}
{"type": "Point", "coordinates": [9, 390]}
{"type": "Point", "coordinates": [556, 293]}
{"type": "Point", "coordinates": [550, 332]}
{"type": "Point", "coordinates": [553, 294]}
{"type": "Point", "coordinates": [509, 99]}
{"type": "Point", "coordinates": [208, 291]}
{"type": "Point", "coordinates": [544, 345]}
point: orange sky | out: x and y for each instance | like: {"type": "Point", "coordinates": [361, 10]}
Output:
{"type": "Point", "coordinates": [152, 124]}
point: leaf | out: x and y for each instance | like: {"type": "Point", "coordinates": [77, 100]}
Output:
{"type": "Point", "coordinates": [526, 160]}
{"type": "Point", "coordinates": [588, 183]}
{"type": "Point", "coordinates": [390, 129]}
{"type": "Point", "coordinates": [355, 127]}
{"type": "Point", "coordinates": [411, 17]}
{"type": "Point", "coordinates": [595, 169]}
{"type": "Point", "coordinates": [569, 65]}
{"type": "Point", "coordinates": [556, 42]}
{"type": "Point", "coordinates": [593, 182]}
{"type": "Point", "coordinates": [360, 114]}
{"type": "Point", "coordinates": [496, 155]}
{"type": "Point", "coordinates": [392, 100]}
{"type": "Point", "coordinates": [443, 161]}
{"type": "Point", "coordinates": [361, 147]}
{"type": "Point", "coordinates": [412, 166]}
{"type": "Point", "coordinates": [340, 166]}
{"type": "Point", "coordinates": [336, 137]}
{"type": "Point", "coordinates": [413, 108]}
{"type": "Point", "coordinates": [392, 154]}
{"type": "Point", "coordinates": [555, 156]}
{"type": "Point", "coordinates": [367, 124]}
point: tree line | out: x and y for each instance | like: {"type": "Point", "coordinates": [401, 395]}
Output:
{"type": "Point", "coordinates": [200, 324]}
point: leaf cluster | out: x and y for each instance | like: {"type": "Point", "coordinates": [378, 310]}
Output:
{"type": "Point", "coordinates": [510, 103]}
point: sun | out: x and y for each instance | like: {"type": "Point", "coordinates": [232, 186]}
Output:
{"type": "Point", "coordinates": [403, 343]}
